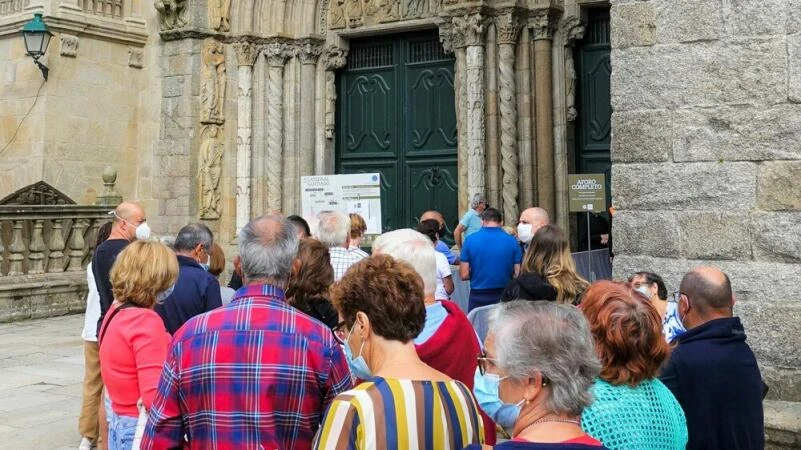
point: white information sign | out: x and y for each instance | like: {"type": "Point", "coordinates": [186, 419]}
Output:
{"type": "Point", "coordinates": [358, 193]}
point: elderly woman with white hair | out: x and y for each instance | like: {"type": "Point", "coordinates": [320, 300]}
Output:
{"type": "Point", "coordinates": [537, 367]}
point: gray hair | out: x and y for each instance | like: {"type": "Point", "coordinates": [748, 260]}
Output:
{"type": "Point", "coordinates": [550, 338]}
{"type": "Point", "coordinates": [267, 247]}
{"type": "Point", "coordinates": [477, 198]}
{"type": "Point", "coordinates": [191, 235]}
{"type": "Point", "coordinates": [333, 229]}
{"type": "Point", "coordinates": [414, 248]}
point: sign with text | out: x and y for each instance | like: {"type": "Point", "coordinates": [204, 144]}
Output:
{"type": "Point", "coordinates": [587, 192]}
{"type": "Point", "coordinates": [358, 193]}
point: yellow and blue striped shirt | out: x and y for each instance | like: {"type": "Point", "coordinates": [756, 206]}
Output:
{"type": "Point", "coordinates": [395, 414]}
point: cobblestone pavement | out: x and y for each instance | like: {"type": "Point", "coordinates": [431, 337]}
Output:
{"type": "Point", "coordinates": [41, 377]}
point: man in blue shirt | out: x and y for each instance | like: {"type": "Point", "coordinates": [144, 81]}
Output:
{"type": "Point", "coordinates": [196, 290]}
{"type": "Point", "coordinates": [471, 220]}
{"type": "Point", "coordinates": [490, 258]}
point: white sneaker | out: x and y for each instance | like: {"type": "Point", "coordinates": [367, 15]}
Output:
{"type": "Point", "coordinates": [86, 444]}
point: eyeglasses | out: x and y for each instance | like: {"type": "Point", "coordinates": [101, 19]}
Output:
{"type": "Point", "coordinates": [339, 332]}
{"type": "Point", "coordinates": [677, 296]}
{"type": "Point", "coordinates": [485, 361]}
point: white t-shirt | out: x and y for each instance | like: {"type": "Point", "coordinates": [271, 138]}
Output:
{"type": "Point", "coordinates": [92, 308]}
{"type": "Point", "coordinates": [443, 270]}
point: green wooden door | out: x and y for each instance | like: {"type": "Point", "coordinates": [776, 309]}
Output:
{"type": "Point", "coordinates": [594, 122]}
{"type": "Point", "coordinates": [396, 116]}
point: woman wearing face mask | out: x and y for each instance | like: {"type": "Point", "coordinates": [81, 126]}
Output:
{"type": "Point", "coordinates": [653, 288]}
{"type": "Point", "coordinates": [548, 271]}
{"type": "Point", "coordinates": [538, 365]}
{"type": "Point", "coordinates": [632, 408]}
{"type": "Point", "coordinates": [402, 403]}
{"type": "Point", "coordinates": [133, 341]}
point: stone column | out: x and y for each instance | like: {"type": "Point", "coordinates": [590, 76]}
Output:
{"type": "Point", "coordinates": [564, 93]}
{"type": "Point", "coordinates": [246, 54]}
{"type": "Point", "coordinates": [492, 143]}
{"type": "Point", "coordinates": [469, 28]}
{"type": "Point", "coordinates": [334, 59]}
{"type": "Point", "coordinates": [543, 24]}
{"type": "Point", "coordinates": [277, 54]}
{"type": "Point", "coordinates": [308, 53]}
{"type": "Point", "coordinates": [508, 28]}
{"type": "Point", "coordinates": [524, 110]}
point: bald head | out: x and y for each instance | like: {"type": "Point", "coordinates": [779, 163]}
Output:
{"type": "Point", "coordinates": [708, 290]}
{"type": "Point", "coordinates": [127, 216]}
{"type": "Point", "coordinates": [435, 215]}
{"type": "Point", "coordinates": [267, 246]}
{"type": "Point", "coordinates": [535, 216]}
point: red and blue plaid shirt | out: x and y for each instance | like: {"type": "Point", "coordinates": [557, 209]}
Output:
{"type": "Point", "coordinates": [255, 374]}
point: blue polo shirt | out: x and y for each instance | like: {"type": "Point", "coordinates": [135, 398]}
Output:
{"type": "Point", "coordinates": [492, 254]}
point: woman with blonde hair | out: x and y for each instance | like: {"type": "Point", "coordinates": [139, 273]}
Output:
{"type": "Point", "coordinates": [309, 280]}
{"type": "Point", "coordinates": [548, 271]}
{"type": "Point", "coordinates": [132, 338]}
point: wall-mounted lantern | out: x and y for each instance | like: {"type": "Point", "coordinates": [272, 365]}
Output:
{"type": "Point", "coordinates": [37, 38]}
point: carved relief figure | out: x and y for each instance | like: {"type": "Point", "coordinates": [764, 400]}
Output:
{"type": "Point", "coordinates": [212, 90]}
{"type": "Point", "coordinates": [414, 8]}
{"type": "Point", "coordinates": [336, 15]}
{"type": "Point", "coordinates": [388, 10]}
{"type": "Point", "coordinates": [570, 95]}
{"type": "Point", "coordinates": [211, 155]}
{"type": "Point", "coordinates": [171, 13]}
{"type": "Point", "coordinates": [353, 11]}
{"type": "Point", "coordinates": [219, 15]}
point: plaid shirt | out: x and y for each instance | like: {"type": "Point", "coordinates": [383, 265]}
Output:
{"type": "Point", "coordinates": [255, 374]}
{"type": "Point", "coordinates": [342, 259]}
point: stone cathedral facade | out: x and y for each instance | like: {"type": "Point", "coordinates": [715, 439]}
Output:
{"type": "Point", "coordinates": [213, 109]}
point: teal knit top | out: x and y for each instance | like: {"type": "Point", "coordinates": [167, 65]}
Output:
{"type": "Point", "coordinates": [645, 417]}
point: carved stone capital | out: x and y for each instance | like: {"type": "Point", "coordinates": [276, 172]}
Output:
{"type": "Point", "coordinates": [508, 26]}
{"type": "Point", "coordinates": [572, 30]}
{"type": "Point", "coordinates": [172, 14]}
{"type": "Point", "coordinates": [136, 58]}
{"type": "Point", "coordinates": [277, 53]}
{"type": "Point", "coordinates": [445, 34]}
{"type": "Point", "coordinates": [467, 30]}
{"type": "Point", "coordinates": [246, 53]}
{"type": "Point", "coordinates": [309, 51]}
{"type": "Point", "coordinates": [69, 45]}
{"type": "Point", "coordinates": [543, 24]}
{"type": "Point", "coordinates": [335, 57]}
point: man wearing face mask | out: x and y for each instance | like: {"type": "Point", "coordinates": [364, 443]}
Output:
{"type": "Point", "coordinates": [196, 291]}
{"type": "Point", "coordinates": [129, 224]}
{"type": "Point", "coordinates": [712, 372]}
{"type": "Point", "coordinates": [531, 220]}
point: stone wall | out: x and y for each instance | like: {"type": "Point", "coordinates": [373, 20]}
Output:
{"type": "Point", "coordinates": [706, 156]}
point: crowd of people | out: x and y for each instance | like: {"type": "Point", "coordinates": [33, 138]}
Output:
{"type": "Point", "coordinates": [317, 344]}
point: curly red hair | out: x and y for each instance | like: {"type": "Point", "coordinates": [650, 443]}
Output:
{"type": "Point", "coordinates": [627, 331]}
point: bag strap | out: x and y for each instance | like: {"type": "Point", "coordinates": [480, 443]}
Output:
{"type": "Point", "coordinates": [108, 321]}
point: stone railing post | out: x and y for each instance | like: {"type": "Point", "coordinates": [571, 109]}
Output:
{"type": "Point", "coordinates": [36, 247]}
{"type": "Point", "coordinates": [15, 249]}
{"type": "Point", "coordinates": [467, 31]}
{"type": "Point", "coordinates": [110, 195]}
{"type": "Point", "coordinates": [77, 245]}
{"type": "Point", "coordinates": [309, 52]}
{"type": "Point", "coordinates": [277, 54]}
{"type": "Point", "coordinates": [246, 54]}
{"type": "Point", "coordinates": [543, 25]}
{"type": "Point", "coordinates": [57, 245]}
{"type": "Point", "coordinates": [508, 27]}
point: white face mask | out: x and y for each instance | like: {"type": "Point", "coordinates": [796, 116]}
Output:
{"type": "Point", "coordinates": [524, 232]}
{"type": "Point", "coordinates": [644, 290]}
{"type": "Point", "coordinates": [143, 231]}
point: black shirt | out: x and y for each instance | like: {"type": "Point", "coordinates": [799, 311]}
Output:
{"type": "Point", "coordinates": [102, 261]}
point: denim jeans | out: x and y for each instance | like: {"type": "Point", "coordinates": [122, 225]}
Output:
{"type": "Point", "coordinates": [121, 429]}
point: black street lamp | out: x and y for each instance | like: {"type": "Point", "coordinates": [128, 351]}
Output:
{"type": "Point", "coordinates": [37, 38]}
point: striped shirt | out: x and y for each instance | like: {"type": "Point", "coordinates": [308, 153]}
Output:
{"type": "Point", "coordinates": [393, 414]}
{"type": "Point", "coordinates": [342, 259]}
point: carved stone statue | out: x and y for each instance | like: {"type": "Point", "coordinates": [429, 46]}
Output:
{"type": "Point", "coordinates": [219, 15]}
{"type": "Point", "coordinates": [353, 11]}
{"type": "Point", "coordinates": [388, 11]}
{"type": "Point", "coordinates": [212, 89]}
{"type": "Point", "coordinates": [334, 58]}
{"type": "Point", "coordinates": [171, 13]}
{"type": "Point", "coordinates": [336, 15]}
{"type": "Point", "coordinates": [570, 95]}
{"type": "Point", "coordinates": [414, 8]}
{"type": "Point", "coordinates": [211, 156]}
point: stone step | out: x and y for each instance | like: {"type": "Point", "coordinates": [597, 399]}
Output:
{"type": "Point", "coordinates": [782, 425]}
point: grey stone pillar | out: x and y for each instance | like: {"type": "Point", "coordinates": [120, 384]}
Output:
{"type": "Point", "coordinates": [246, 54]}
{"type": "Point", "coordinates": [543, 25]}
{"type": "Point", "coordinates": [469, 29]}
{"type": "Point", "coordinates": [308, 53]}
{"type": "Point", "coordinates": [334, 59]}
{"type": "Point", "coordinates": [524, 114]}
{"type": "Point", "coordinates": [508, 28]}
{"type": "Point", "coordinates": [492, 150]}
{"type": "Point", "coordinates": [277, 55]}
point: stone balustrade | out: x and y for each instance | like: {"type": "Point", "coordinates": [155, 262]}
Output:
{"type": "Point", "coordinates": [45, 239]}
{"type": "Point", "coordinates": [105, 8]}
{"type": "Point", "coordinates": [8, 7]}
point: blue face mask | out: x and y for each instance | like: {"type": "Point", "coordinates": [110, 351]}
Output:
{"type": "Point", "coordinates": [358, 366]}
{"type": "Point", "coordinates": [485, 388]}
{"type": "Point", "coordinates": [161, 296]}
